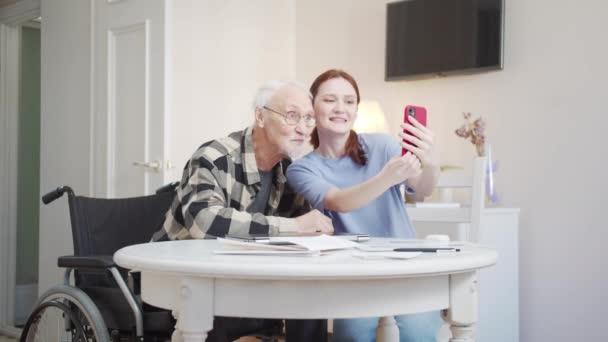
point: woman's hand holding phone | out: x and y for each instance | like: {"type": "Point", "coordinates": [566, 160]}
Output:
{"type": "Point", "coordinates": [400, 168]}
{"type": "Point", "coordinates": [421, 142]}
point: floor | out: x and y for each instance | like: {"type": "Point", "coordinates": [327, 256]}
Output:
{"type": "Point", "coordinates": [245, 339]}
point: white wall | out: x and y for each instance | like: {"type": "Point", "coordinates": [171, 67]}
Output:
{"type": "Point", "coordinates": [547, 124]}
{"type": "Point", "coordinates": [65, 124]}
{"type": "Point", "coordinates": [222, 51]}
{"type": "Point", "coordinates": [219, 53]}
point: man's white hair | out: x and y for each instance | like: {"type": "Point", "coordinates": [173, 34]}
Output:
{"type": "Point", "coordinates": [268, 89]}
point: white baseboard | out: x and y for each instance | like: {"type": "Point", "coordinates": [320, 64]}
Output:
{"type": "Point", "coordinates": [9, 331]}
{"type": "Point", "coordinates": [25, 299]}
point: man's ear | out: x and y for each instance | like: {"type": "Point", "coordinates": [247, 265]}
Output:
{"type": "Point", "coordinates": [259, 117]}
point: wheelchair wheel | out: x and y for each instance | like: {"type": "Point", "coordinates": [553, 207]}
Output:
{"type": "Point", "coordinates": [66, 314]}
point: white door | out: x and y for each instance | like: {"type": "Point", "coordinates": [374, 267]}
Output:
{"type": "Point", "coordinates": [129, 97]}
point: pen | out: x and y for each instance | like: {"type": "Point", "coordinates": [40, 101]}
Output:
{"type": "Point", "coordinates": [426, 249]}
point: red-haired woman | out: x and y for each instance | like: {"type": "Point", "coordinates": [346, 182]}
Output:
{"type": "Point", "coordinates": [355, 179]}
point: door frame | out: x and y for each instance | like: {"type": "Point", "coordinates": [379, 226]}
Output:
{"type": "Point", "coordinates": [9, 116]}
{"type": "Point", "coordinates": [11, 17]}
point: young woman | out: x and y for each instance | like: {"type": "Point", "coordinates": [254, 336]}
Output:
{"type": "Point", "coordinates": [355, 179]}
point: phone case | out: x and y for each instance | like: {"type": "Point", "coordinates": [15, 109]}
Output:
{"type": "Point", "coordinates": [419, 113]}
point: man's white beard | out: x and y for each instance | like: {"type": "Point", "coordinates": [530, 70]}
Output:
{"type": "Point", "coordinates": [297, 152]}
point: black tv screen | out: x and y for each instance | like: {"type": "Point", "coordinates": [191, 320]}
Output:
{"type": "Point", "coordinates": [429, 37]}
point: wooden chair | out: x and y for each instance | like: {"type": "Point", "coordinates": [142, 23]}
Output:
{"type": "Point", "coordinates": [468, 213]}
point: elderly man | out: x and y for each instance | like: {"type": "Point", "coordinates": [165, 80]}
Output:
{"type": "Point", "coordinates": [237, 185]}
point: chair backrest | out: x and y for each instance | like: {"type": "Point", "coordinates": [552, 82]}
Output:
{"type": "Point", "coordinates": [102, 226]}
{"type": "Point", "coordinates": [472, 178]}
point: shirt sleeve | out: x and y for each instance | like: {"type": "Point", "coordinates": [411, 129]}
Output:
{"type": "Point", "coordinates": [206, 212]}
{"type": "Point", "coordinates": [311, 186]}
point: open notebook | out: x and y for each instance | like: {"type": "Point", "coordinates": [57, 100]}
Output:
{"type": "Point", "coordinates": [306, 246]}
{"type": "Point", "coordinates": [288, 245]}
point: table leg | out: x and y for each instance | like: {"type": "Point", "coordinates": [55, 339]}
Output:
{"type": "Point", "coordinates": [463, 311]}
{"type": "Point", "coordinates": [195, 313]}
{"type": "Point", "coordinates": [387, 330]}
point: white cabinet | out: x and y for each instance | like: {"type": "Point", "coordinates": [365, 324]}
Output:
{"type": "Point", "coordinates": [499, 284]}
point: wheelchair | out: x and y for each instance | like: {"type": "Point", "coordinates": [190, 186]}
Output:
{"type": "Point", "coordinates": [104, 303]}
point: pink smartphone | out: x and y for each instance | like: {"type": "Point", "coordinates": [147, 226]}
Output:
{"type": "Point", "coordinates": [413, 111]}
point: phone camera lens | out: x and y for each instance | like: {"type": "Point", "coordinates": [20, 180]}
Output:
{"type": "Point", "coordinates": [412, 112]}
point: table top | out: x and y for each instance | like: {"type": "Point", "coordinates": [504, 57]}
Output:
{"type": "Point", "coordinates": [195, 257]}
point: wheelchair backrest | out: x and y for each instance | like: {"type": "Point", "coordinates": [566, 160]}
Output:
{"type": "Point", "coordinates": [102, 226]}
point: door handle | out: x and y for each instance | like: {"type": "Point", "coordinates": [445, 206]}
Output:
{"type": "Point", "coordinates": [154, 165]}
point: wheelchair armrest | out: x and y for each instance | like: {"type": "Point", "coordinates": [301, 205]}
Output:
{"type": "Point", "coordinates": [90, 262]}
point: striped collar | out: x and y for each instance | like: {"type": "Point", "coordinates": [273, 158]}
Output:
{"type": "Point", "coordinates": [250, 165]}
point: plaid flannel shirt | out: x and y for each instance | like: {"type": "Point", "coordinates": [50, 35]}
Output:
{"type": "Point", "coordinates": [219, 183]}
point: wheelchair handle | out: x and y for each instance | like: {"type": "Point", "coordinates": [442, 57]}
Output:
{"type": "Point", "coordinates": [55, 194]}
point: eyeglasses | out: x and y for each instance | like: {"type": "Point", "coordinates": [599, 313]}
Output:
{"type": "Point", "coordinates": [292, 118]}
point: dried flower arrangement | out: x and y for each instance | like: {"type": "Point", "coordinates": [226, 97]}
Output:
{"type": "Point", "coordinates": [474, 131]}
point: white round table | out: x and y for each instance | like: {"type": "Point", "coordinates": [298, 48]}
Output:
{"type": "Point", "coordinates": [186, 277]}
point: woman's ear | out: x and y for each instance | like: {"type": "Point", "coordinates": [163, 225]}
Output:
{"type": "Point", "coordinates": [259, 117]}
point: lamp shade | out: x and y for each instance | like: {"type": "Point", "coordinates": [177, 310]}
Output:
{"type": "Point", "coordinates": [370, 118]}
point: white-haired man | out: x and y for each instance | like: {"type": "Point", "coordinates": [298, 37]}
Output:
{"type": "Point", "coordinates": [237, 185]}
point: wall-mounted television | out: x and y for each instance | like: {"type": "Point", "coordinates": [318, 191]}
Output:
{"type": "Point", "coordinates": [439, 37]}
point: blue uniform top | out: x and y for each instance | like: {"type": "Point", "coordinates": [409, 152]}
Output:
{"type": "Point", "coordinates": [313, 175]}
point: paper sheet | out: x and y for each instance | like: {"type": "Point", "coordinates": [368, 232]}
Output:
{"type": "Point", "coordinates": [318, 243]}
